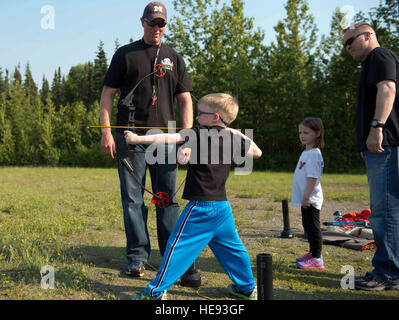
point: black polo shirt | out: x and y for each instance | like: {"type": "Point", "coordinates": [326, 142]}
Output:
{"type": "Point", "coordinates": [381, 64]}
{"type": "Point", "coordinates": [133, 62]}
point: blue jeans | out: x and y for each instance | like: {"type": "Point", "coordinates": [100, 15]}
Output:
{"type": "Point", "coordinates": [383, 180]}
{"type": "Point", "coordinates": [163, 179]}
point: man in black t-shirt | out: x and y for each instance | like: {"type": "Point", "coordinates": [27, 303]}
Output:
{"type": "Point", "coordinates": [377, 131]}
{"type": "Point", "coordinates": [133, 66]}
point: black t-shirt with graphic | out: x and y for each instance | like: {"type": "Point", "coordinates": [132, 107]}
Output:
{"type": "Point", "coordinates": [213, 151]}
{"type": "Point", "coordinates": [133, 62]}
{"type": "Point", "coordinates": [381, 64]}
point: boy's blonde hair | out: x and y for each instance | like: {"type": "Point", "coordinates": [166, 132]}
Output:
{"type": "Point", "coordinates": [222, 103]}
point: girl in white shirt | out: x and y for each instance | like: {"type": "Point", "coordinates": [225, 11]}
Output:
{"type": "Point", "coordinates": [307, 192]}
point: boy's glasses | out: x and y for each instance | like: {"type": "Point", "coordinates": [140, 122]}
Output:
{"type": "Point", "coordinates": [203, 112]}
{"type": "Point", "coordinates": [160, 24]}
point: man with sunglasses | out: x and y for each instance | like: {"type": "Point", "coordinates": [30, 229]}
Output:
{"type": "Point", "coordinates": [133, 66]}
{"type": "Point", "coordinates": [377, 132]}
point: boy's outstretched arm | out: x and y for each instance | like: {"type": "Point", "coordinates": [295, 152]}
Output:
{"type": "Point", "coordinates": [253, 150]}
{"type": "Point", "coordinates": [160, 139]}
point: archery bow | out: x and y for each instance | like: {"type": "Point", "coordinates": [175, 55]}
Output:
{"type": "Point", "coordinates": [160, 199]}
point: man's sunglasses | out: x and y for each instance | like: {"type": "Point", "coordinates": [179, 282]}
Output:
{"type": "Point", "coordinates": [160, 24]}
{"type": "Point", "coordinates": [351, 39]}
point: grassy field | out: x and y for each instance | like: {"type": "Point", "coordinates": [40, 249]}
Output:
{"type": "Point", "coordinates": [71, 219]}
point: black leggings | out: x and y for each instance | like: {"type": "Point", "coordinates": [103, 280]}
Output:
{"type": "Point", "coordinates": [311, 224]}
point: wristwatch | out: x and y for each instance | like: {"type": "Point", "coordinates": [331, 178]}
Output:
{"type": "Point", "coordinates": [377, 124]}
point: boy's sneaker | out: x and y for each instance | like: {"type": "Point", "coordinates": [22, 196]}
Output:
{"type": "Point", "coordinates": [252, 295]}
{"type": "Point", "coordinates": [313, 263]}
{"type": "Point", "coordinates": [143, 296]}
{"type": "Point", "coordinates": [135, 269]}
{"type": "Point", "coordinates": [306, 257]}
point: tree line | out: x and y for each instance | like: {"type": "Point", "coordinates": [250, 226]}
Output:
{"type": "Point", "coordinates": [299, 74]}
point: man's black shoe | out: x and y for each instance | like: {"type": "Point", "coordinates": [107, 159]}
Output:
{"type": "Point", "coordinates": [371, 283]}
{"type": "Point", "coordinates": [394, 284]}
{"type": "Point", "coordinates": [135, 269]}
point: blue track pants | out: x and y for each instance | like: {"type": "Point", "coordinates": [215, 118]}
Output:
{"type": "Point", "coordinates": [204, 223]}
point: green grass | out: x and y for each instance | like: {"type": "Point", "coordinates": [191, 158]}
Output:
{"type": "Point", "coordinates": [71, 219]}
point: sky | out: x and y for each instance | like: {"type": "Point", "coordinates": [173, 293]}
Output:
{"type": "Point", "coordinates": [49, 34]}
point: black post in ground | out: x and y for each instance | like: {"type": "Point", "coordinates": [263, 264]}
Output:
{"type": "Point", "coordinates": [287, 233]}
{"type": "Point", "coordinates": [264, 267]}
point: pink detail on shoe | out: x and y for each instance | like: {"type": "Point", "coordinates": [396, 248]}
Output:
{"type": "Point", "coordinates": [306, 257]}
{"type": "Point", "coordinates": [311, 264]}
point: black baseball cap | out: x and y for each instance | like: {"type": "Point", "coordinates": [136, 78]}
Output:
{"type": "Point", "coordinates": [153, 10]}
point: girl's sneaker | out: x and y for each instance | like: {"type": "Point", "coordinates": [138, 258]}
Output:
{"type": "Point", "coordinates": [306, 257]}
{"type": "Point", "coordinates": [313, 263]}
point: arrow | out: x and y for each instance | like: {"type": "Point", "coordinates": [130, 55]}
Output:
{"type": "Point", "coordinates": [121, 127]}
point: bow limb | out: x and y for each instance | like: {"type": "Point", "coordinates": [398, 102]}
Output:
{"type": "Point", "coordinates": [126, 163]}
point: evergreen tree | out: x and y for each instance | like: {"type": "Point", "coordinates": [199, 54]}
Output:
{"type": "Point", "coordinates": [44, 91]}
{"type": "Point", "coordinates": [56, 89]}
{"type": "Point", "coordinates": [48, 154]}
{"type": "Point", "coordinates": [30, 86]}
{"type": "Point", "coordinates": [70, 123]}
{"type": "Point", "coordinates": [90, 94]}
{"type": "Point", "coordinates": [17, 76]}
{"type": "Point", "coordinates": [20, 117]}
{"type": "Point", "coordinates": [100, 69]}
{"type": "Point", "coordinates": [2, 82]}
{"type": "Point", "coordinates": [7, 143]}
{"type": "Point", "coordinates": [116, 44]}
{"type": "Point", "coordinates": [7, 85]}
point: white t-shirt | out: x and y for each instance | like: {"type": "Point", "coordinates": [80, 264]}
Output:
{"type": "Point", "coordinates": [310, 165]}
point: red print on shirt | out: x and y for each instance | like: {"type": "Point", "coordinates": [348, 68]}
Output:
{"type": "Point", "coordinates": [301, 165]}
